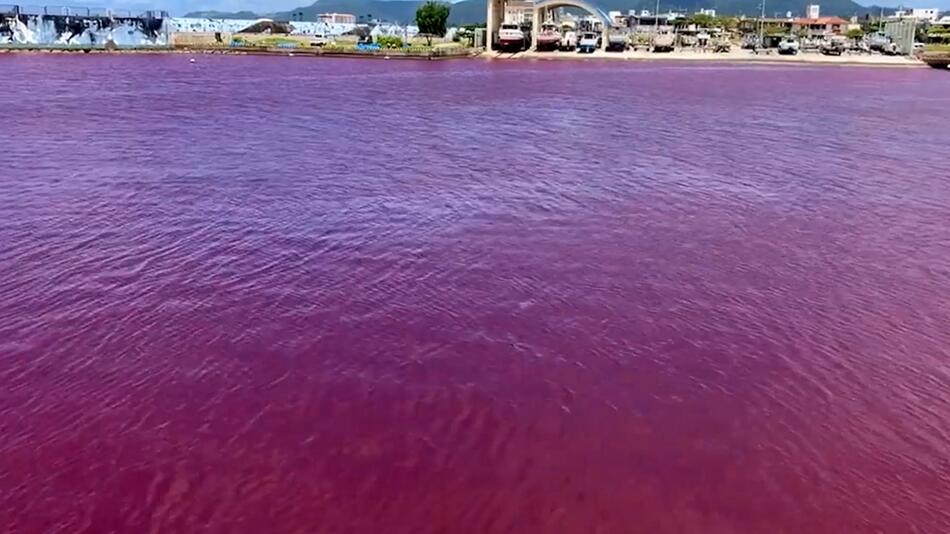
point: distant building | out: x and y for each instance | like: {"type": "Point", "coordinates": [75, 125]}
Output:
{"type": "Point", "coordinates": [337, 18]}
{"type": "Point", "coordinates": [813, 11]}
{"type": "Point", "coordinates": [518, 14]}
{"type": "Point", "coordinates": [710, 12]}
{"type": "Point", "coordinates": [930, 15]}
{"type": "Point", "coordinates": [801, 26]}
{"type": "Point", "coordinates": [926, 14]}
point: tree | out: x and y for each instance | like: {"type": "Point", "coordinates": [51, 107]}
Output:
{"type": "Point", "coordinates": [702, 20]}
{"type": "Point", "coordinates": [431, 18]}
{"type": "Point", "coordinates": [855, 33]}
{"type": "Point", "coordinates": [727, 23]}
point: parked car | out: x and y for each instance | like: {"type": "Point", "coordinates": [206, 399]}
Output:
{"type": "Point", "coordinates": [511, 38]}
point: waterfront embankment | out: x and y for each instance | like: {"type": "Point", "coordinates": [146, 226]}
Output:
{"type": "Point", "coordinates": [424, 53]}
{"type": "Point", "coordinates": [733, 56]}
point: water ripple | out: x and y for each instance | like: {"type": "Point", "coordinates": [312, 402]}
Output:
{"type": "Point", "coordinates": [269, 294]}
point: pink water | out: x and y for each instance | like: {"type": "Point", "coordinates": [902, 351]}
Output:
{"type": "Point", "coordinates": [292, 295]}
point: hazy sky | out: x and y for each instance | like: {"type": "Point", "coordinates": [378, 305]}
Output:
{"type": "Point", "coordinates": [180, 7]}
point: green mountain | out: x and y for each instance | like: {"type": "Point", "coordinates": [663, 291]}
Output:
{"type": "Point", "coordinates": [473, 11]}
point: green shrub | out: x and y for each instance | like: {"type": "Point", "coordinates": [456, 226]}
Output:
{"type": "Point", "coordinates": [389, 41]}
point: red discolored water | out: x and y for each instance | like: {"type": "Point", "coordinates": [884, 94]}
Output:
{"type": "Point", "coordinates": [286, 295]}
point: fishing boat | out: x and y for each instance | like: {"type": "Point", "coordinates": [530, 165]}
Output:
{"type": "Point", "coordinates": [936, 59]}
{"type": "Point", "coordinates": [587, 43]}
{"type": "Point", "coordinates": [549, 38]}
{"type": "Point", "coordinates": [788, 46]}
{"type": "Point", "coordinates": [878, 41]}
{"type": "Point", "coordinates": [664, 42]}
{"type": "Point", "coordinates": [568, 36]}
{"type": "Point", "coordinates": [616, 41]}
{"type": "Point", "coordinates": [833, 46]}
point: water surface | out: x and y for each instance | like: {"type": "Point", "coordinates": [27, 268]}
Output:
{"type": "Point", "coordinates": [281, 294]}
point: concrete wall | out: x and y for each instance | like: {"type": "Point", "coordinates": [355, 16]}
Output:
{"type": "Point", "coordinates": [18, 29]}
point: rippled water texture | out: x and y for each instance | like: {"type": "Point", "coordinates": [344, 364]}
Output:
{"type": "Point", "coordinates": [295, 295]}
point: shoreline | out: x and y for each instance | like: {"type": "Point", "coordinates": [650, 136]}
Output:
{"type": "Point", "coordinates": [462, 53]}
{"type": "Point", "coordinates": [735, 56]}
{"type": "Point", "coordinates": [682, 56]}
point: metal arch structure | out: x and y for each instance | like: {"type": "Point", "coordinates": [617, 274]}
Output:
{"type": "Point", "coordinates": [579, 4]}
{"type": "Point", "coordinates": [496, 10]}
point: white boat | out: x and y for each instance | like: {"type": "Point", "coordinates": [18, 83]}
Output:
{"type": "Point", "coordinates": [616, 40]}
{"type": "Point", "coordinates": [569, 41]}
{"type": "Point", "coordinates": [664, 42]}
{"type": "Point", "coordinates": [568, 36]}
{"type": "Point", "coordinates": [788, 47]}
{"type": "Point", "coordinates": [587, 43]}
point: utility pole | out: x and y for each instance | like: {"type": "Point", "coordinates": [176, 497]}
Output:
{"type": "Point", "coordinates": [762, 26]}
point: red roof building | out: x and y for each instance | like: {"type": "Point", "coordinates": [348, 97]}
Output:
{"type": "Point", "coordinates": [819, 26]}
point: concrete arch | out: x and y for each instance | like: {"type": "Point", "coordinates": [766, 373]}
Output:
{"type": "Point", "coordinates": [579, 4]}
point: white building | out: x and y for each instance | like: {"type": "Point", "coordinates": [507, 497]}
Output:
{"type": "Point", "coordinates": [519, 13]}
{"type": "Point", "coordinates": [813, 11]}
{"type": "Point", "coordinates": [710, 12]}
{"type": "Point", "coordinates": [337, 18]}
{"type": "Point", "coordinates": [198, 25]}
{"type": "Point", "coordinates": [930, 14]}
{"type": "Point", "coordinates": [395, 30]}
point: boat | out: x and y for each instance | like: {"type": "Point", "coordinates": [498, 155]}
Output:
{"type": "Point", "coordinates": [788, 46]}
{"type": "Point", "coordinates": [511, 38]}
{"type": "Point", "coordinates": [616, 41]}
{"type": "Point", "coordinates": [587, 43]}
{"type": "Point", "coordinates": [937, 60]}
{"type": "Point", "coordinates": [568, 41]}
{"type": "Point", "coordinates": [722, 45]}
{"type": "Point", "coordinates": [664, 42]}
{"type": "Point", "coordinates": [878, 42]}
{"type": "Point", "coordinates": [833, 46]}
{"type": "Point", "coordinates": [549, 38]}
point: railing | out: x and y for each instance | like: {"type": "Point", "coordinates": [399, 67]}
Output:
{"type": "Point", "coordinates": [73, 11]}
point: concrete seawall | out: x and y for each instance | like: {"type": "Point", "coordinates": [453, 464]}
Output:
{"type": "Point", "coordinates": [81, 27]}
